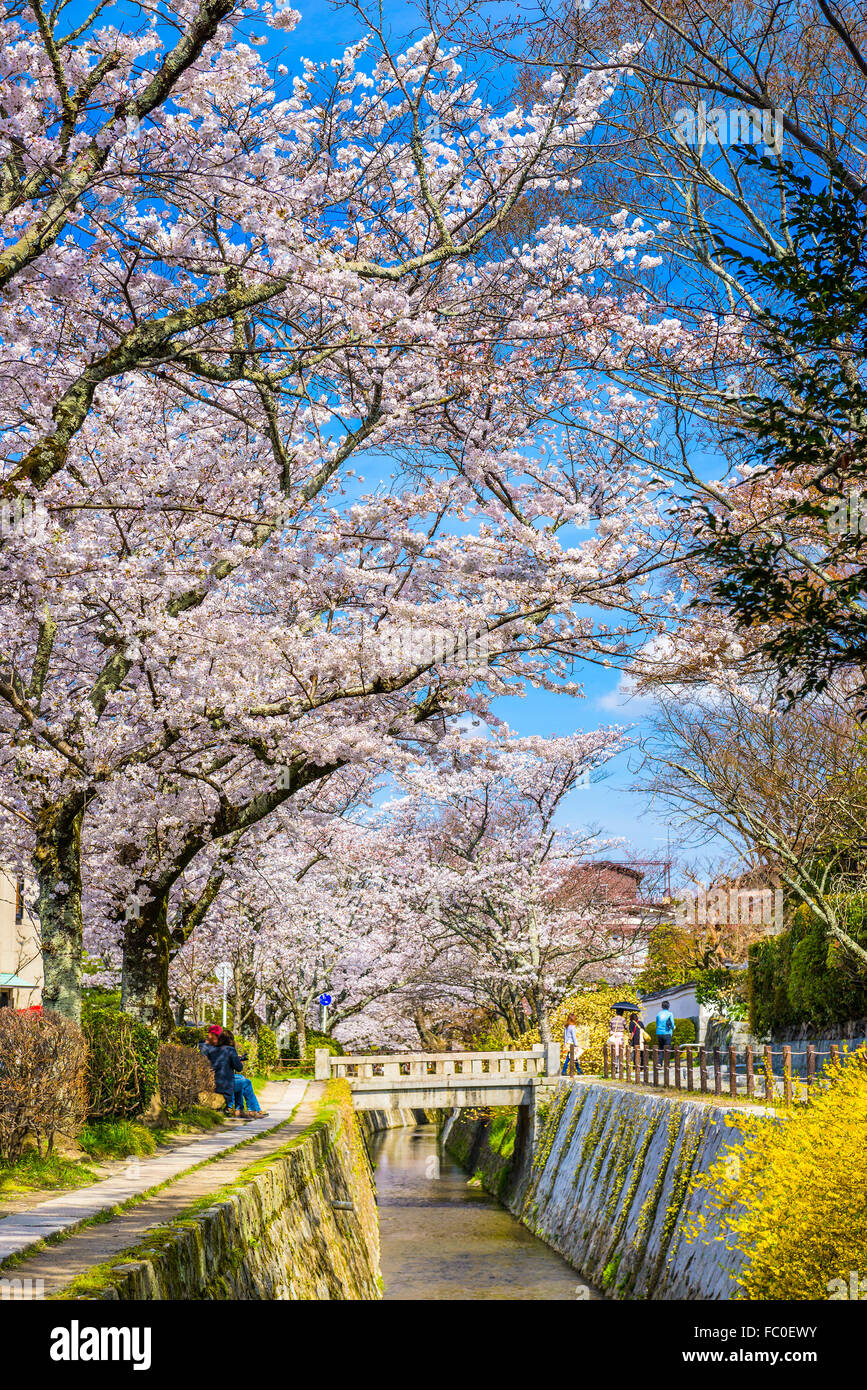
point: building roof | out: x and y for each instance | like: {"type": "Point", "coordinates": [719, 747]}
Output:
{"type": "Point", "coordinates": [617, 866]}
{"type": "Point", "coordinates": [15, 982]}
{"type": "Point", "coordinates": [668, 991]}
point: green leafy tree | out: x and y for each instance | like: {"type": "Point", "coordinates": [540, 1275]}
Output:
{"type": "Point", "coordinates": [786, 546]}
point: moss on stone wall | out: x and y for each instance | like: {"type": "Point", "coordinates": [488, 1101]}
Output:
{"type": "Point", "coordinates": [610, 1186]}
{"type": "Point", "coordinates": [300, 1223]}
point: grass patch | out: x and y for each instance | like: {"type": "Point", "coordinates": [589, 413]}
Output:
{"type": "Point", "coordinates": [117, 1139]}
{"type": "Point", "coordinates": [504, 1124]}
{"type": "Point", "coordinates": [32, 1174]}
{"type": "Point", "coordinates": [101, 1140]}
{"type": "Point", "coordinates": [104, 1139]}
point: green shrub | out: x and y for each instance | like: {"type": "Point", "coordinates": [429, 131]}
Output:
{"type": "Point", "coordinates": [183, 1075]}
{"type": "Point", "coordinates": [122, 1064]}
{"type": "Point", "coordinates": [43, 1063]}
{"type": "Point", "coordinates": [185, 1036]}
{"type": "Point", "coordinates": [99, 999]}
{"type": "Point", "coordinates": [802, 978]}
{"type": "Point", "coordinates": [269, 1053]}
{"type": "Point", "coordinates": [684, 1032]}
{"type": "Point", "coordinates": [248, 1048]}
{"type": "Point", "coordinates": [314, 1040]}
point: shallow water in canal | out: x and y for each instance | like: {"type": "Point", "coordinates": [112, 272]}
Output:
{"type": "Point", "coordinates": [443, 1239]}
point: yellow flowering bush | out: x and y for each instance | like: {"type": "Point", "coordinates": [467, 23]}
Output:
{"type": "Point", "coordinates": [793, 1197]}
{"type": "Point", "coordinates": [592, 1009]}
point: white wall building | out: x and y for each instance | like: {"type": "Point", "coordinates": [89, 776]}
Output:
{"type": "Point", "coordinates": [21, 975]}
{"type": "Point", "coordinates": [683, 1004]}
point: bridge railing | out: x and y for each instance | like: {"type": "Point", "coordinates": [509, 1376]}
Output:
{"type": "Point", "coordinates": [439, 1066]}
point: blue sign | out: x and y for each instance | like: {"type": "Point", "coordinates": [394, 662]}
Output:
{"type": "Point", "coordinates": [325, 1000]}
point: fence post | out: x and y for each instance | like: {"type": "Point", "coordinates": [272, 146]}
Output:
{"type": "Point", "coordinates": [677, 1068]}
{"type": "Point", "coordinates": [769, 1072]}
{"type": "Point", "coordinates": [620, 1063]}
{"type": "Point", "coordinates": [321, 1065]}
{"type": "Point", "coordinates": [751, 1080]}
{"type": "Point", "coordinates": [628, 1063]}
{"type": "Point", "coordinates": [835, 1052]}
{"type": "Point", "coordinates": [666, 1061]}
{"type": "Point", "coordinates": [702, 1069]}
{"type": "Point", "coordinates": [733, 1074]}
{"type": "Point", "coordinates": [787, 1074]}
{"type": "Point", "coordinates": [690, 1079]}
{"type": "Point", "coordinates": [811, 1063]}
{"type": "Point", "coordinates": [636, 1063]}
{"type": "Point", "coordinates": [645, 1063]}
{"type": "Point", "coordinates": [717, 1073]}
{"type": "Point", "coordinates": [656, 1066]}
{"type": "Point", "coordinates": [605, 1061]}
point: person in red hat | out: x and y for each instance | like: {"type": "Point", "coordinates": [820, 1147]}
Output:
{"type": "Point", "coordinates": [223, 1083]}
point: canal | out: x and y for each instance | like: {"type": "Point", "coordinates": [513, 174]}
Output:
{"type": "Point", "coordinates": [445, 1239]}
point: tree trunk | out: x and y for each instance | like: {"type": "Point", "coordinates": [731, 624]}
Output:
{"type": "Point", "coordinates": [430, 1041]}
{"type": "Point", "coordinates": [542, 1018]}
{"type": "Point", "coordinates": [300, 1031]}
{"type": "Point", "coordinates": [57, 864]}
{"type": "Point", "coordinates": [146, 955]}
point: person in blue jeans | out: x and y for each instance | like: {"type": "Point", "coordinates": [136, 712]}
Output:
{"type": "Point", "coordinates": [220, 1052]}
{"type": "Point", "coordinates": [571, 1065]}
{"type": "Point", "coordinates": [244, 1093]}
{"type": "Point", "coordinates": [664, 1026]}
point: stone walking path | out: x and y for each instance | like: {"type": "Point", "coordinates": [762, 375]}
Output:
{"type": "Point", "coordinates": [23, 1229]}
{"type": "Point", "coordinates": [53, 1269]}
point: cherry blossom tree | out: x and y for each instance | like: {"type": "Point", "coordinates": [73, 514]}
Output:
{"type": "Point", "coordinates": [522, 916]}
{"type": "Point", "coordinates": [221, 290]}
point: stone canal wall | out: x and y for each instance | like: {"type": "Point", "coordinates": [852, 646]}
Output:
{"type": "Point", "coordinates": [608, 1186]}
{"type": "Point", "coordinates": [372, 1120]}
{"type": "Point", "coordinates": [299, 1224]}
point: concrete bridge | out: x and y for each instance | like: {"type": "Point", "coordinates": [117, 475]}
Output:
{"type": "Point", "coordinates": [444, 1080]}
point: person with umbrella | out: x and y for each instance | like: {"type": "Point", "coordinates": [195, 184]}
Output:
{"type": "Point", "coordinates": [617, 1024]}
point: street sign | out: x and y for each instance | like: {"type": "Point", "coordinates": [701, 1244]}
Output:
{"type": "Point", "coordinates": [325, 1000]}
{"type": "Point", "coordinates": [223, 972]}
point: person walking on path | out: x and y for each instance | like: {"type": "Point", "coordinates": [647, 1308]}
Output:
{"type": "Point", "coordinates": [570, 1041]}
{"type": "Point", "coordinates": [244, 1093]}
{"type": "Point", "coordinates": [664, 1026]}
{"type": "Point", "coordinates": [637, 1036]}
{"type": "Point", "coordinates": [616, 1030]}
{"type": "Point", "coordinates": [225, 1062]}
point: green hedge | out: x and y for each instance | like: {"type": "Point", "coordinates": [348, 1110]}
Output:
{"type": "Point", "coordinates": [801, 977]}
{"type": "Point", "coordinates": [268, 1051]}
{"type": "Point", "coordinates": [314, 1040]}
{"type": "Point", "coordinates": [122, 1064]}
{"type": "Point", "coordinates": [684, 1031]}
{"type": "Point", "coordinates": [185, 1036]}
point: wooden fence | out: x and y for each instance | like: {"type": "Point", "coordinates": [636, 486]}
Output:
{"type": "Point", "coordinates": [720, 1071]}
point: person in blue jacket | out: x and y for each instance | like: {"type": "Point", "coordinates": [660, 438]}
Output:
{"type": "Point", "coordinates": [225, 1061]}
{"type": "Point", "coordinates": [244, 1093]}
{"type": "Point", "coordinates": [664, 1026]}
